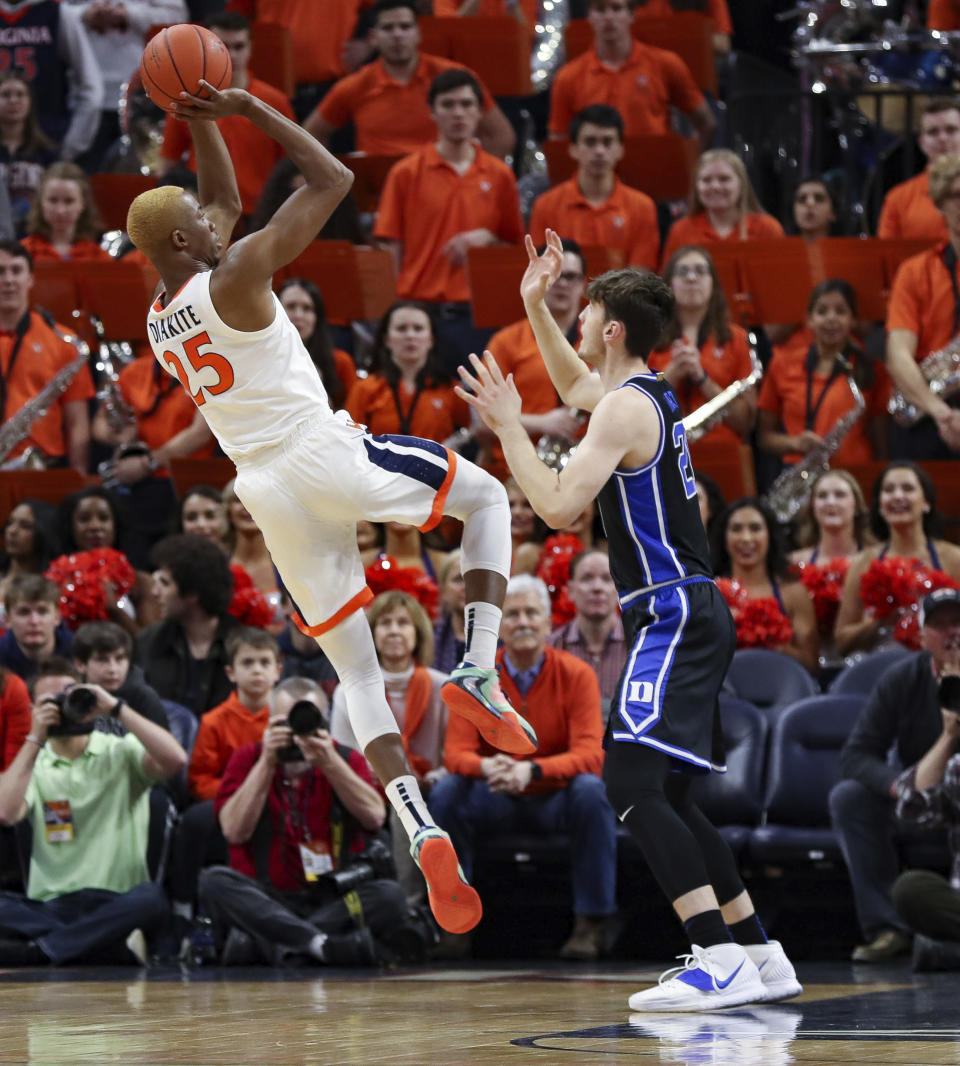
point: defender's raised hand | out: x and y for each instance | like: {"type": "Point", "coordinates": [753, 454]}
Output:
{"type": "Point", "coordinates": [542, 270]}
{"type": "Point", "coordinates": [493, 397]}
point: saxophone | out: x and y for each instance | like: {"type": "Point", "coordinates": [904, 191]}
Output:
{"type": "Point", "coordinates": [707, 415]}
{"type": "Point", "coordinates": [790, 491]}
{"type": "Point", "coordinates": [18, 426]}
{"type": "Point", "coordinates": [556, 451]}
{"type": "Point", "coordinates": [941, 369]}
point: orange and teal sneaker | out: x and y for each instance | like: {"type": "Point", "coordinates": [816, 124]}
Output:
{"type": "Point", "coordinates": [475, 694]}
{"type": "Point", "coordinates": [453, 900]}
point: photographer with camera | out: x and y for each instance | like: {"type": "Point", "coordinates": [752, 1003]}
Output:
{"type": "Point", "coordinates": [86, 795]}
{"type": "Point", "coordinates": [903, 713]}
{"type": "Point", "coordinates": [929, 796]}
{"type": "Point", "coordinates": [296, 810]}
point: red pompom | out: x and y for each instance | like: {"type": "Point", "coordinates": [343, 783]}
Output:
{"type": "Point", "coordinates": [892, 589]}
{"type": "Point", "coordinates": [553, 569]}
{"type": "Point", "coordinates": [760, 621]}
{"type": "Point", "coordinates": [249, 606]}
{"type": "Point", "coordinates": [384, 575]}
{"type": "Point", "coordinates": [82, 576]}
{"type": "Point", "coordinates": [824, 582]}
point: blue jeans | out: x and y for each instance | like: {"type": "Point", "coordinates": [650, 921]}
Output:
{"type": "Point", "coordinates": [467, 809]}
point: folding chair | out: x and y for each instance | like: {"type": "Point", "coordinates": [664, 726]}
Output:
{"type": "Point", "coordinates": [861, 263]}
{"type": "Point", "coordinates": [369, 173]}
{"type": "Point", "coordinates": [117, 294]}
{"type": "Point", "coordinates": [776, 278]}
{"type": "Point", "coordinates": [495, 47]}
{"type": "Point", "coordinates": [661, 165]}
{"type": "Point", "coordinates": [185, 473]}
{"type": "Point", "coordinates": [49, 485]}
{"type": "Point", "coordinates": [356, 283]}
{"type": "Point", "coordinates": [55, 290]}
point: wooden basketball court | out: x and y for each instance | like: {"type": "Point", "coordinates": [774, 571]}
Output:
{"type": "Point", "coordinates": [443, 1016]}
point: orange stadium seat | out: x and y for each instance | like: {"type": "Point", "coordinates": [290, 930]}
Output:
{"type": "Point", "coordinates": [357, 283]}
{"type": "Point", "coordinates": [185, 473]}
{"type": "Point", "coordinates": [48, 485]}
{"type": "Point", "coordinates": [688, 33]}
{"type": "Point", "coordinates": [369, 172]}
{"type": "Point", "coordinates": [118, 293]}
{"type": "Point", "coordinates": [661, 165]}
{"type": "Point", "coordinates": [114, 193]}
{"type": "Point", "coordinates": [271, 56]}
{"type": "Point", "coordinates": [55, 290]}
{"type": "Point", "coordinates": [495, 47]}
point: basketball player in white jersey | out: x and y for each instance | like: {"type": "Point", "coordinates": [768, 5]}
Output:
{"type": "Point", "coordinates": [307, 475]}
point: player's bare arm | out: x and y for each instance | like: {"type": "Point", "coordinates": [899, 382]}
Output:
{"type": "Point", "coordinates": [241, 284]}
{"type": "Point", "coordinates": [625, 431]}
{"type": "Point", "coordinates": [217, 191]}
{"type": "Point", "coordinates": [572, 379]}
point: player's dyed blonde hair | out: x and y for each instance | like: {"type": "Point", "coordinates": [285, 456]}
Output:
{"type": "Point", "coordinates": [153, 215]}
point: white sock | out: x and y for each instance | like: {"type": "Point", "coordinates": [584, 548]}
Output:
{"type": "Point", "coordinates": [315, 947]}
{"type": "Point", "coordinates": [481, 628]}
{"type": "Point", "coordinates": [404, 794]}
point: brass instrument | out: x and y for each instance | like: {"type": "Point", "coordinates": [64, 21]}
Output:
{"type": "Point", "coordinates": [941, 369]}
{"type": "Point", "coordinates": [556, 451]}
{"type": "Point", "coordinates": [699, 422]}
{"type": "Point", "coordinates": [18, 426]}
{"type": "Point", "coordinates": [790, 491]}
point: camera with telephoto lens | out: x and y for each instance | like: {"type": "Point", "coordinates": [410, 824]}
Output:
{"type": "Point", "coordinates": [375, 861]}
{"type": "Point", "coordinates": [950, 693]}
{"type": "Point", "coordinates": [74, 705]}
{"type": "Point", "coordinates": [304, 719]}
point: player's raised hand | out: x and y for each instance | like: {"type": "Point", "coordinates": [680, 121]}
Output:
{"type": "Point", "coordinates": [220, 103]}
{"type": "Point", "coordinates": [493, 397]}
{"type": "Point", "coordinates": [542, 270]}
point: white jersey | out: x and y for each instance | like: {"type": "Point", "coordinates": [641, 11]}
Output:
{"type": "Point", "coordinates": [252, 388]}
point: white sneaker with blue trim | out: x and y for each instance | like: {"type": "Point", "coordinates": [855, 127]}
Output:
{"type": "Point", "coordinates": [776, 971]}
{"type": "Point", "coordinates": [710, 978]}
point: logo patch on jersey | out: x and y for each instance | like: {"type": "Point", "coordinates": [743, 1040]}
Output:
{"type": "Point", "coordinates": [672, 401]}
{"type": "Point", "coordinates": [618, 221]}
{"type": "Point", "coordinates": [641, 692]}
{"type": "Point", "coordinates": [485, 186]}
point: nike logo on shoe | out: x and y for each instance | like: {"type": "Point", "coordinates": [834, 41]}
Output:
{"type": "Point", "coordinates": [723, 984]}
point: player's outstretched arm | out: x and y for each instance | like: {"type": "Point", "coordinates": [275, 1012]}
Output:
{"type": "Point", "coordinates": [300, 218]}
{"type": "Point", "coordinates": [217, 191]}
{"type": "Point", "coordinates": [577, 386]}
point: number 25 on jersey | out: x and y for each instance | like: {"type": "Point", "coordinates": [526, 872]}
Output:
{"type": "Point", "coordinates": [222, 378]}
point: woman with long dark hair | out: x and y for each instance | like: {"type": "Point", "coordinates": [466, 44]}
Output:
{"type": "Point", "coordinates": [771, 609]}
{"type": "Point", "coordinates": [303, 302]}
{"type": "Point", "coordinates": [879, 601]}
{"type": "Point", "coordinates": [701, 351]}
{"type": "Point", "coordinates": [408, 391]}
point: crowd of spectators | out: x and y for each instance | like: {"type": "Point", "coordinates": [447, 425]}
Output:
{"type": "Point", "coordinates": [166, 609]}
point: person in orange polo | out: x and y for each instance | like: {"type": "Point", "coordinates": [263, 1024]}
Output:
{"type": "Point", "coordinates": [805, 393]}
{"type": "Point", "coordinates": [408, 391]}
{"type": "Point", "coordinates": [716, 9]}
{"type": "Point", "coordinates": [515, 349]}
{"type": "Point", "coordinates": [923, 317]}
{"type": "Point", "coordinates": [594, 207]}
{"type": "Point", "coordinates": [701, 352]}
{"type": "Point", "coordinates": [31, 354]}
{"type": "Point", "coordinates": [387, 100]}
{"type": "Point", "coordinates": [640, 81]}
{"type": "Point", "coordinates": [442, 200]}
{"type": "Point", "coordinates": [722, 207]}
{"type": "Point", "coordinates": [253, 153]}
{"type": "Point", "coordinates": [907, 208]}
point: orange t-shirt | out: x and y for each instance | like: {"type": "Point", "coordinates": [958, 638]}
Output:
{"type": "Point", "coordinates": [346, 369]}
{"type": "Point", "coordinates": [41, 354]}
{"type": "Point", "coordinates": [448, 8]}
{"type": "Point", "coordinates": [389, 117]}
{"type": "Point", "coordinates": [625, 223]}
{"type": "Point", "coordinates": [921, 300]}
{"type": "Point", "coordinates": [254, 154]}
{"type": "Point", "coordinates": [223, 729]}
{"type": "Point", "coordinates": [318, 36]}
{"type": "Point", "coordinates": [437, 414]}
{"type": "Point", "coordinates": [908, 211]}
{"type": "Point", "coordinates": [43, 251]}
{"type": "Point", "coordinates": [659, 9]}
{"type": "Point", "coordinates": [724, 365]}
{"type": "Point", "coordinates": [15, 716]}
{"type": "Point", "coordinates": [943, 15]}
{"type": "Point", "coordinates": [784, 393]}
{"type": "Point", "coordinates": [643, 89]}
{"type": "Point", "coordinates": [425, 202]}
{"type": "Point", "coordinates": [696, 229]}
{"type": "Point", "coordinates": [162, 408]}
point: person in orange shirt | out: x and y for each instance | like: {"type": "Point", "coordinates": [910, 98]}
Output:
{"type": "Point", "coordinates": [943, 15]}
{"type": "Point", "coordinates": [31, 353]}
{"type": "Point", "coordinates": [253, 153]}
{"type": "Point", "coordinates": [62, 223]}
{"type": "Point", "coordinates": [907, 208]}
{"type": "Point", "coordinates": [408, 392]}
{"type": "Point", "coordinates": [305, 308]}
{"type": "Point", "coordinates": [515, 349]}
{"type": "Point", "coordinates": [594, 206]}
{"type": "Point", "coordinates": [640, 81]}
{"type": "Point", "coordinates": [442, 200]}
{"type": "Point", "coordinates": [806, 393]}
{"type": "Point", "coordinates": [722, 206]}
{"type": "Point", "coordinates": [701, 351]}
{"type": "Point", "coordinates": [923, 317]}
{"type": "Point", "coordinates": [524, 11]}
{"type": "Point", "coordinates": [387, 100]}
{"type": "Point", "coordinates": [716, 9]}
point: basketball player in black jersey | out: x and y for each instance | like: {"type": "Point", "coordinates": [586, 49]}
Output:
{"type": "Point", "coordinates": [664, 724]}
